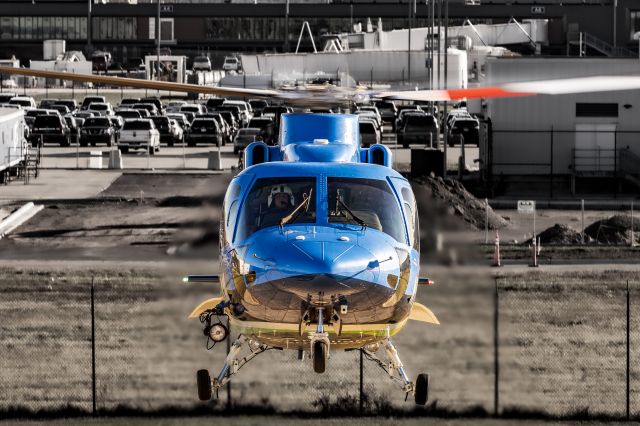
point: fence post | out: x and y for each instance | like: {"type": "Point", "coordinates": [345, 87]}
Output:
{"type": "Point", "coordinates": [229, 402]}
{"type": "Point", "coordinates": [551, 164]}
{"type": "Point", "coordinates": [93, 349]}
{"type": "Point", "coordinates": [361, 382]}
{"type": "Point", "coordinates": [496, 360]}
{"type": "Point", "coordinates": [628, 372]}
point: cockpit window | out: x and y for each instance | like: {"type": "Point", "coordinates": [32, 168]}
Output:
{"type": "Point", "coordinates": [273, 201]}
{"type": "Point", "coordinates": [365, 202]}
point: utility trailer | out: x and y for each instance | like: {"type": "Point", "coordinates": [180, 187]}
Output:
{"type": "Point", "coordinates": [17, 158]}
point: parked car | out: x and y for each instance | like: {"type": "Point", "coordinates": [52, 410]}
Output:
{"type": "Point", "coordinates": [193, 108]}
{"type": "Point", "coordinates": [117, 122]}
{"type": "Point", "coordinates": [91, 99]}
{"type": "Point", "coordinates": [5, 97]}
{"type": "Point", "coordinates": [101, 108]}
{"type": "Point", "coordinates": [402, 116]}
{"type": "Point", "coordinates": [163, 124]}
{"type": "Point", "coordinates": [30, 115]}
{"type": "Point", "coordinates": [369, 132]}
{"type": "Point", "coordinates": [69, 103]}
{"type": "Point", "coordinates": [177, 131]}
{"type": "Point", "coordinates": [246, 113]}
{"type": "Point", "coordinates": [81, 116]}
{"type": "Point", "coordinates": [267, 128]}
{"type": "Point", "coordinates": [466, 127]}
{"type": "Point", "coordinates": [419, 129]}
{"type": "Point", "coordinates": [213, 103]}
{"type": "Point", "coordinates": [370, 115]}
{"type": "Point", "coordinates": [97, 130]}
{"type": "Point", "coordinates": [231, 63]}
{"type": "Point", "coordinates": [139, 133]}
{"type": "Point", "coordinates": [181, 119]}
{"type": "Point", "coordinates": [230, 120]}
{"type": "Point", "coordinates": [152, 109]}
{"type": "Point", "coordinates": [62, 109]}
{"type": "Point", "coordinates": [174, 106]}
{"type": "Point", "coordinates": [225, 130]}
{"type": "Point", "coordinates": [258, 105]}
{"type": "Point", "coordinates": [388, 112]}
{"type": "Point", "coordinates": [51, 128]}
{"type": "Point", "coordinates": [201, 63]}
{"type": "Point", "coordinates": [127, 113]}
{"type": "Point", "coordinates": [46, 103]}
{"type": "Point", "coordinates": [244, 138]}
{"type": "Point", "coordinates": [74, 129]}
{"type": "Point", "coordinates": [23, 101]}
{"type": "Point", "coordinates": [373, 110]}
{"type": "Point", "coordinates": [101, 61]}
{"type": "Point", "coordinates": [204, 130]}
{"type": "Point", "coordinates": [155, 101]}
{"type": "Point", "coordinates": [128, 102]}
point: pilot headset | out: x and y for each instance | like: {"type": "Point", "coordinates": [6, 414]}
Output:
{"type": "Point", "coordinates": [281, 189]}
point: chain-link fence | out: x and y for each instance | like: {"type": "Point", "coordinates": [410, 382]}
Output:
{"type": "Point", "coordinates": [513, 345]}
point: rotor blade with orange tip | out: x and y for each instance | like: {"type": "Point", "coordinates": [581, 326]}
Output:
{"type": "Point", "coordinates": [141, 84]}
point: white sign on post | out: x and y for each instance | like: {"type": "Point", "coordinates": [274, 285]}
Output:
{"type": "Point", "coordinates": [526, 206]}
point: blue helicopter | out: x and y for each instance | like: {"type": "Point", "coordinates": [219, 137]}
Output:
{"type": "Point", "coordinates": [319, 237]}
{"type": "Point", "coordinates": [320, 251]}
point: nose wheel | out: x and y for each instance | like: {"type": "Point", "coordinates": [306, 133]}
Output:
{"type": "Point", "coordinates": [320, 354]}
{"type": "Point", "coordinates": [319, 344]}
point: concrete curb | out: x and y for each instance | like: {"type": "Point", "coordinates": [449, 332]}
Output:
{"type": "Point", "coordinates": [18, 217]}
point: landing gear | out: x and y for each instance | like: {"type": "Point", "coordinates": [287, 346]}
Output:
{"type": "Point", "coordinates": [395, 369]}
{"type": "Point", "coordinates": [231, 366]}
{"type": "Point", "coordinates": [319, 344]}
{"type": "Point", "coordinates": [320, 354]}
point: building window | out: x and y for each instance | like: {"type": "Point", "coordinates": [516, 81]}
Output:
{"type": "Point", "coordinates": [594, 109]}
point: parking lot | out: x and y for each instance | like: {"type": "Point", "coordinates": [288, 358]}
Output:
{"type": "Point", "coordinates": [196, 158]}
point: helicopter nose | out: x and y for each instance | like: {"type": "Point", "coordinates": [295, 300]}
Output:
{"type": "Point", "coordinates": [329, 265]}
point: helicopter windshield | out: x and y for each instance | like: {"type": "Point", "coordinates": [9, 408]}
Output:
{"type": "Point", "coordinates": [273, 199]}
{"type": "Point", "coordinates": [365, 202]}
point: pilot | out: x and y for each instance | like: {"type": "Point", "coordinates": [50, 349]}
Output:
{"type": "Point", "coordinates": [279, 204]}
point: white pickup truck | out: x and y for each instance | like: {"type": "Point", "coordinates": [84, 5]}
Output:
{"type": "Point", "coordinates": [139, 133]}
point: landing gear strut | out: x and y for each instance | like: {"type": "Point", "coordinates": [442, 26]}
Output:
{"type": "Point", "coordinates": [232, 364]}
{"type": "Point", "coordinates": [319, 344]}
{"type": "Point", "coordinates": [395, 369]}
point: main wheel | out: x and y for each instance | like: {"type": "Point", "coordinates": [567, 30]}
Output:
{"type": "Point", "coordinates": [204, 385]}
{"type": "Point", "coordinates": [152, 150]}
{"type": "Point", "coordinates": [124, 149]}
{"type": "Point", "coordinates": [319, 357]}
{"type": "Point", "coordinates": [422, 389]}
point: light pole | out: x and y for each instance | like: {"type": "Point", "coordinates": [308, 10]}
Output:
{"type": "Point", "coordinates": [89, 27]}
{"type": "Point", "coordinates": [158, 42]}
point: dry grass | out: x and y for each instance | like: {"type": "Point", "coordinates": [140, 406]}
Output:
{"type": "Point", "coordinates": [562, 345]}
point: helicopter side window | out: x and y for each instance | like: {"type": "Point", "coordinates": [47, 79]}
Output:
{"type": "Point", "coordinates": [365, 202]}
{"type": "Point", "coordinates": [278, 201]}
{"type": "Point", "coordinates": [230, 207]}
{"type": "Point", "coordinates": [411, 213]}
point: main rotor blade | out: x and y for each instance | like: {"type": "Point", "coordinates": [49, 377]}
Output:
{"type": "Point", "coordinates": [563, 86]}
{"type": "Point", "coordinates": [141, 84]}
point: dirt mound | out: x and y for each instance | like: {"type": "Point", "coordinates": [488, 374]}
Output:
{"type": "Point", "coordinates": [460, 202]}
{"type": "Point", "coordinates": [614, 230]}
{"type": "Point", "coordinates": [560, 234]}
